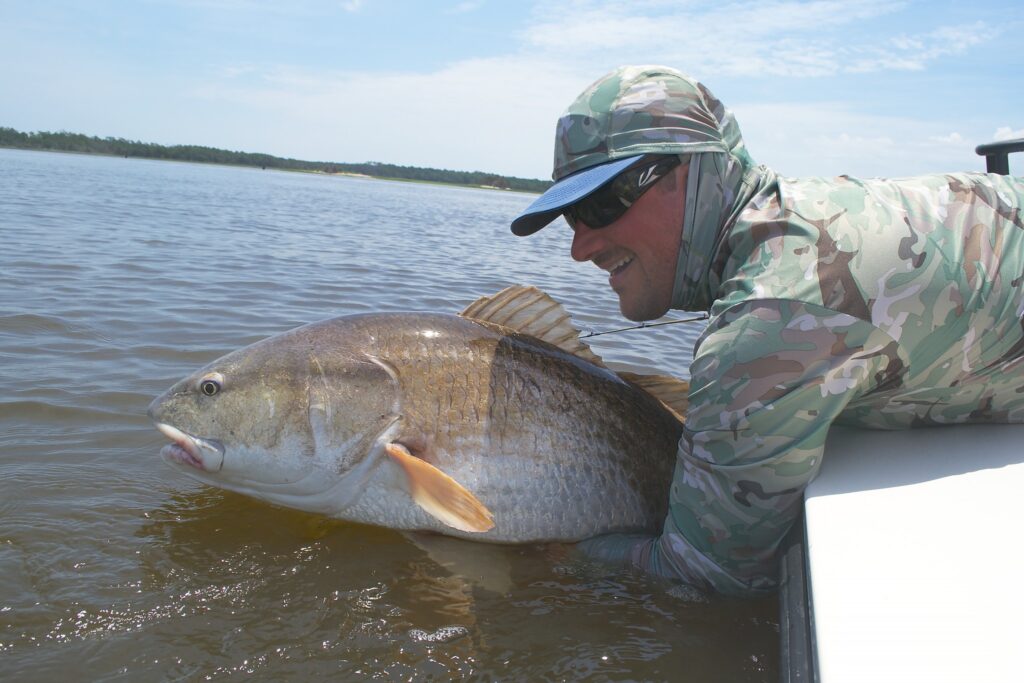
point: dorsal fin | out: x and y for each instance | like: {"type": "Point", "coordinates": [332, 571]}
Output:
{"type": "Point", "coordinates": [673, 393]}
{"type": "Point", "coordinates": [531, 311]}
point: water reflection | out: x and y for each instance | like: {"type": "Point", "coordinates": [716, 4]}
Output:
{"type": "Point", "coordinates": [378, 603]}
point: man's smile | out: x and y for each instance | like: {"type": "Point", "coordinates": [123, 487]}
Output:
{"type": "Point", "coordinates": [615, 264]}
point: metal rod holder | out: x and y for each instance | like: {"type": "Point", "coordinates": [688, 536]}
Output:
{"type": "Point", "coordinates": [996, 154]}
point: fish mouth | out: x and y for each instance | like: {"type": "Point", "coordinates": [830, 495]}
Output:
{"type": "Point", "coordinates": [206, 455]}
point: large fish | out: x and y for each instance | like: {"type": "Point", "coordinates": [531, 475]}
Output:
{"type": "Point", "coordinates": [497, 424]}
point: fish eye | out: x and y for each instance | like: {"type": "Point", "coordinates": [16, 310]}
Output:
{"type": "Point", "coordinates": [211, 384]}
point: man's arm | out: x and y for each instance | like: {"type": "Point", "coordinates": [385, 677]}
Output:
{"type": "Point", "coordinates": [767, 381]}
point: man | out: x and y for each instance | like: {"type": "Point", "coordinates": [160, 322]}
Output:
{"type": "Point", "coordinates": [879, 303]}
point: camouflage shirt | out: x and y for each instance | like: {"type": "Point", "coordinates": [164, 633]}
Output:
{"type": "Point", "coordinates": [885, 304]}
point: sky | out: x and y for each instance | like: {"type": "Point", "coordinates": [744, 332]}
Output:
{"type": "Point", "coordinates": [862, 87]}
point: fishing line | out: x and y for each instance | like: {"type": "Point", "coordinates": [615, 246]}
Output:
{"type": "Point", "coordinates": [646, 325]}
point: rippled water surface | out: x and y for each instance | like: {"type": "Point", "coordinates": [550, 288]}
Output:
{"type": "Point", "coordinates": [120, 276]}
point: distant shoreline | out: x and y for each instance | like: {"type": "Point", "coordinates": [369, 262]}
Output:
{"type": "Point", "coordinates": [77, 143]}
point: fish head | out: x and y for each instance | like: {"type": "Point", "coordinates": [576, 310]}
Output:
{"type": "Point", "coordinates": [288, 420]}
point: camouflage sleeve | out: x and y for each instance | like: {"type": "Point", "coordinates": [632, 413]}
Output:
{"type": "Point", "coordinates": [767, 381]}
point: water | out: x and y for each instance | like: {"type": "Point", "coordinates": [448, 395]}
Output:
{"type": "Point", "coordinates": [120, 276]}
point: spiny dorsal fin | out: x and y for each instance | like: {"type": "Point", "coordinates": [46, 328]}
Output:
{"type": "Point", "coordinates": [673, 393]}
{"type": "Point", "coordinates": [531, 311]}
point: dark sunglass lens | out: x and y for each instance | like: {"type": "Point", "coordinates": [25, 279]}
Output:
{"type": "Point", "coordinates": [599, 209]}
{"type": "Point", "coordinates": [607, 205]}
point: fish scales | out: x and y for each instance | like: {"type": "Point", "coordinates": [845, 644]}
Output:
{"type": "Point", "coordinates": [555, 447]}
{"type": "Point", "coordinates": [541, 438]}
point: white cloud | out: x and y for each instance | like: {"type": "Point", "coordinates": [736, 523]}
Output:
{"type": "Point", "coordinates": [493, 115]}
{"type": "Point", "coordinates": [237, 70]}
{"type": "Point", "coordinates": [465, 7]}
{"type": "Point", "coordinates": [498, 113]}
{"type": "Point", "coordinates": [905, 53]}
{"type": "Point", "coordinates": [234, 6]}
{"type": "Point", "coordinates": [953, 138]}
{"type": "Point", "coordinates": [781, 38]}
{"type": "Point", "coordinates": [829, 138]}
{"type": "Point", "coordinates": [1007, 133]}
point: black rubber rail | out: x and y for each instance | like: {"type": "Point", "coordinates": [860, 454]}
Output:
{"type": "Point", "coordinates": [996, 154]}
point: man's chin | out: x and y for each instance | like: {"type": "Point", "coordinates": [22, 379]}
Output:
{"type": "Point", "coordinates": [640, 311]}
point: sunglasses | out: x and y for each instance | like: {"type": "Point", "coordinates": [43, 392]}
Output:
{"type": "Point", "coordinates": [605, 206]}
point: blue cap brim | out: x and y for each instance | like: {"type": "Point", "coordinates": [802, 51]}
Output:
{"type": "Point", "coordinates": [566, 192]}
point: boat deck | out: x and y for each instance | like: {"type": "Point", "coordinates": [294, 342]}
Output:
{"type": "Point", "coordinates": [913, 557]}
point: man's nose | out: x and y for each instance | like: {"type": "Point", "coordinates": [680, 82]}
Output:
{"type": "Point", "coordinates": [586, 242]}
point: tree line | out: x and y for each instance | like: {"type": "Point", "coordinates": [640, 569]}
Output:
{"type": "Point", "coordinates": [64, 141]}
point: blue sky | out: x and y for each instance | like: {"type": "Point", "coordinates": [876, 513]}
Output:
{"type": "Point", "coordinates": [865, 87]}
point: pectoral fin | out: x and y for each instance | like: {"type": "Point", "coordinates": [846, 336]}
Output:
{"type": "Point", "coordinates": [440, 495]}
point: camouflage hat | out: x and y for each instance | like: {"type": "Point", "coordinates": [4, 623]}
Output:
{"type": "Point", "coordinates": [632, 111]}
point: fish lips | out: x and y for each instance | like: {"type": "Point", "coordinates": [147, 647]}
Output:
{"type": "Point", "coordinates": [206, 455]}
